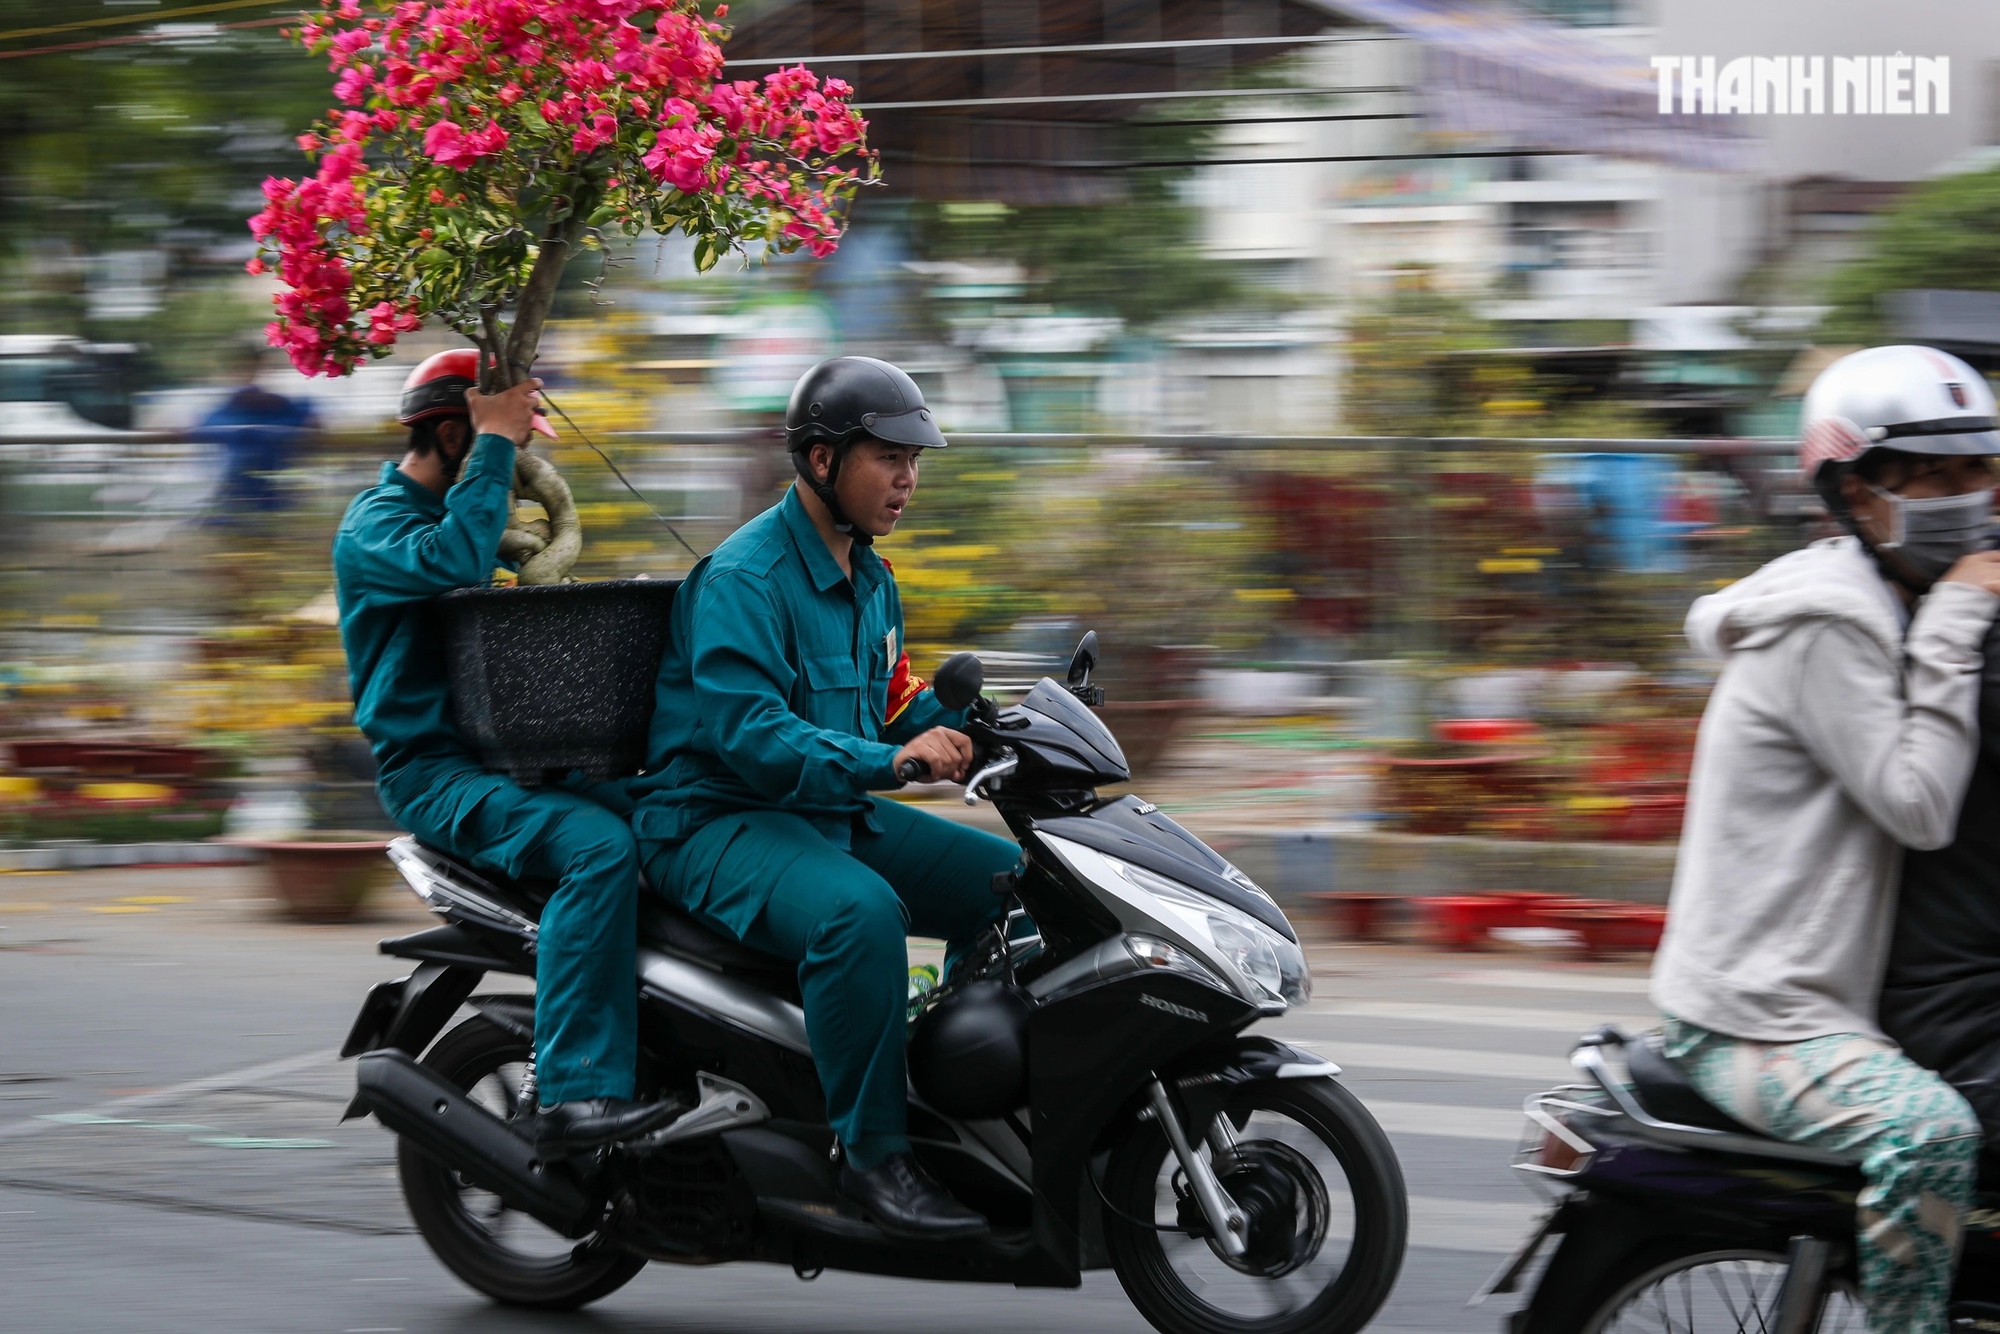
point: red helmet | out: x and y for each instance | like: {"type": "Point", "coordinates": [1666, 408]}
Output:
{"type": "Point", "coordinates": [436, 388]}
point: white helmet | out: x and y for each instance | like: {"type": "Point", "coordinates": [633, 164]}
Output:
{"type": "Point", "coordinates": [1916, 400]}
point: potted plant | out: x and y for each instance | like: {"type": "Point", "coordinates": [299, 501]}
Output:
{"type": "Point", "coordinates": [324, 875]}
{"type": "Point", "coordinates": [478, 146]}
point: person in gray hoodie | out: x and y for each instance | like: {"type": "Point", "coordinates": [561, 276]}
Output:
{"type": "Point", "coordinates": [1842, 726]}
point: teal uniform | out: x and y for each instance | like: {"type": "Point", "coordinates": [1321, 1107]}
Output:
{"type": "Point", "coordinates": [400, 545]}
{"type": "Point", "coordinates": [782, 700]}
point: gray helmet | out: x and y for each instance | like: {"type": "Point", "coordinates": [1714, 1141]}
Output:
{"type": "Point", "coordinates": [840, 399]}
{"type": "Point", "coordinates": [843, 400]}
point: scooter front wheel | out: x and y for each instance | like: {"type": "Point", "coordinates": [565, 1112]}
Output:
{"type": "Point", "coordinates": [1327, 1211]}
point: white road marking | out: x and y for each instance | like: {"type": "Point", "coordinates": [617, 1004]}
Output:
{"type": "Point", "coordinates": [1434, 1118]}
{"type": "Point", "coordinates": [1472, 1225]}
{"type": "Point", "coordinates": [1477, 1016]}
{"type": "Point", "coordinates": [117, 1107]}
{"type": "Point", "coordinates": [1441, 1060]}
{"type": "Point", "coordinates": [1552, 980]}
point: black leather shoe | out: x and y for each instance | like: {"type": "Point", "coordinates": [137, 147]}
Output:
{"type": "Point", "coordinates": [906, 1204]}
{"type": "Point", "coordinates": [570, 1128]}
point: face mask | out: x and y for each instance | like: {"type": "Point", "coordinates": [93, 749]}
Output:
{"type": "Point", "coordinates": [1931, 534]}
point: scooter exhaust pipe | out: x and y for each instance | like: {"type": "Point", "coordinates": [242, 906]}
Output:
{"type": "Point", "coordinates": [433, 1115]}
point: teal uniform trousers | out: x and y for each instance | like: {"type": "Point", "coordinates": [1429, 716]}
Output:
{"type": "Point", "coordinates": [782, 699]}
{"type": "Point", "coordinates": [399, 546]}
{"type": "Point", "coordinates": [774, 882]}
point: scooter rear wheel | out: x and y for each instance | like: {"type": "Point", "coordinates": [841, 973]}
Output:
{"type": "Point", "coordinates": [499, 1251]}
{"type": "Point", "coordinates": [1703, 1289]}
{"type": "Point", "coordinates": [1328, 1217]}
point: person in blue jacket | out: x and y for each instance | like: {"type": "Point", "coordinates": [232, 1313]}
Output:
{"type": "Point", "coordinates": [785, 698]}
{"type": "Point", "coordinates": [259, 434]}
{"type": "Point", "coordinates": [432, 523]}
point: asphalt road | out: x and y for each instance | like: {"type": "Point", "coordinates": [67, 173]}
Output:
{"type": "Point", "coordinates": [170, 1159]}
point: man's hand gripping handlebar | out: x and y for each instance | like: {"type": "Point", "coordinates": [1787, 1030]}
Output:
{"type": "Point", "coordinates": [940, 755]}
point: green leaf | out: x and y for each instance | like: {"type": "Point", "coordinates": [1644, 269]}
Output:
{"type": "Point", "coordinates": [531, 117]}
{"type": "Point", "coordinates": [706, 253]}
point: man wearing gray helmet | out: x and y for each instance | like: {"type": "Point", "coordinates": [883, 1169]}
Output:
{"type": "Point", "coordinates": [784, 699]}
{"type": "Point", "coordinates": [1841, 726]}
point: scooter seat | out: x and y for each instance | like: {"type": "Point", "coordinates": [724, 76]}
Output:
{"type": "Point", "coordinates": [662, 926]}
{"type": "Point", "coordinates": [667, 928]}
{"type": "Point", "coordinates": [1665, 1092]}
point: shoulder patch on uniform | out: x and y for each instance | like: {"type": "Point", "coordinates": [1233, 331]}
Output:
{"type": "Point", "coordinates": [904, 687]}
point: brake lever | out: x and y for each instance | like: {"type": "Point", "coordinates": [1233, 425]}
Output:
{"type": "Point", "coordinates": [997, 769]}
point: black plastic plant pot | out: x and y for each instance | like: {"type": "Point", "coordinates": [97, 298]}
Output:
{"type": "Point", "coordinates": [554, 677]}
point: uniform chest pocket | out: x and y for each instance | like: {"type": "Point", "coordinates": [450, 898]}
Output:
{"type": "Point", "coordinates": [833, 692]}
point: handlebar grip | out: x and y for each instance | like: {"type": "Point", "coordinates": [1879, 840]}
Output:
{"type": "Point", "coordinates": [913, 770]}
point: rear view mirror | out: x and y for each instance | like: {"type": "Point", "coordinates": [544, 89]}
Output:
{"type": "Point", "coordinates": [1085, 660]}
{"type": "Point", "coordinates": [959, 680]}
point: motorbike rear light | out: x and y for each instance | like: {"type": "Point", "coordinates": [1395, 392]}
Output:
{"type": "Point", "coordinates": [1550, 1147]}
{"type": "Point", "coordinates": [1558, 1157]}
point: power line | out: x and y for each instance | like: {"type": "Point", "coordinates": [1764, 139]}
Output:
{"type": "Point", "coordinates": [619, 473]}
{"type": "Point", "coordinates": [1170, 95]}
{"type": "Point", "coordinates": [1080, 49]}
{"type": "Point", "coordinates": [1058, 164]}
{"type": "Point", "coordinates": [148, 16]}
{"type": "Point", "coordinates": [1048, 123]}
{"type": "Point", "coordinates": [140, 38]}
{"type": "Point", "coordinates": [1263, 120]}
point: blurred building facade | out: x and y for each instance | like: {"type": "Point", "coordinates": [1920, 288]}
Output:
{"type": "Point", "coordinates": [1512, 152]}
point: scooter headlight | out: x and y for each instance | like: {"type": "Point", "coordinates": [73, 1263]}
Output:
{"type": "Point", "coordinates": [1249, 953]}
{"type": "Point", "coordinates": [1272, 969]}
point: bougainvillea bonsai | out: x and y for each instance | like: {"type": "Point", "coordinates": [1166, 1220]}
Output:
{"type": "Point", "coordinates": [479, 144]}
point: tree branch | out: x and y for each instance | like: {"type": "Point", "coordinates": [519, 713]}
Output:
{"type": "Point", "coordinates": [538, 294]}
{"type": "Point", "coordinates": [489, 349]}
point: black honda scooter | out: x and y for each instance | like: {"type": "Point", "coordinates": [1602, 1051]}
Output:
{"type": "Point", "coordinates": [1669, 1215]}
{"type": "Point", "coordinates": [1089, 1089]}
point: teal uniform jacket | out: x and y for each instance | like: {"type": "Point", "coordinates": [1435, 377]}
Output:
{"type": "Point", "coordinates": [785, 687]}
{"type": "Point", "coordinates": [783, 697]}
{"type": "Point", "coordinates": [400, 545]}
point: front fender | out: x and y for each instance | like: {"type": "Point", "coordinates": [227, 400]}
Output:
{"type": "Point", "coordinates": [1204, 1078]}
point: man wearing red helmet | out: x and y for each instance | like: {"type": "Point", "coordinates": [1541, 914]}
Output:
{"type": "Point", "coordinates": [430, 524]}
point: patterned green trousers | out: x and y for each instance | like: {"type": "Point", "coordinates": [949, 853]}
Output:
{"type": "Point", "coordinates": [1918, 1141]}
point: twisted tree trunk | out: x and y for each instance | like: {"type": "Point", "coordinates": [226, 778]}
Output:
{"type": "Point", "coordinates": [547, 549]}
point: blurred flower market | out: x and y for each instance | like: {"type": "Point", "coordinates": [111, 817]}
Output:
{"type": "Point", "coordinates": [1384, 451]}
{"type": "Point", "coordinates": [1437, 636]}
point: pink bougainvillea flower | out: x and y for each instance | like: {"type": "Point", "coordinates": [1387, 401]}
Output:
{"type": "Point", "coordinates": [521, 99]}
{"type": "Point", "coordinates": [446, 143]}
